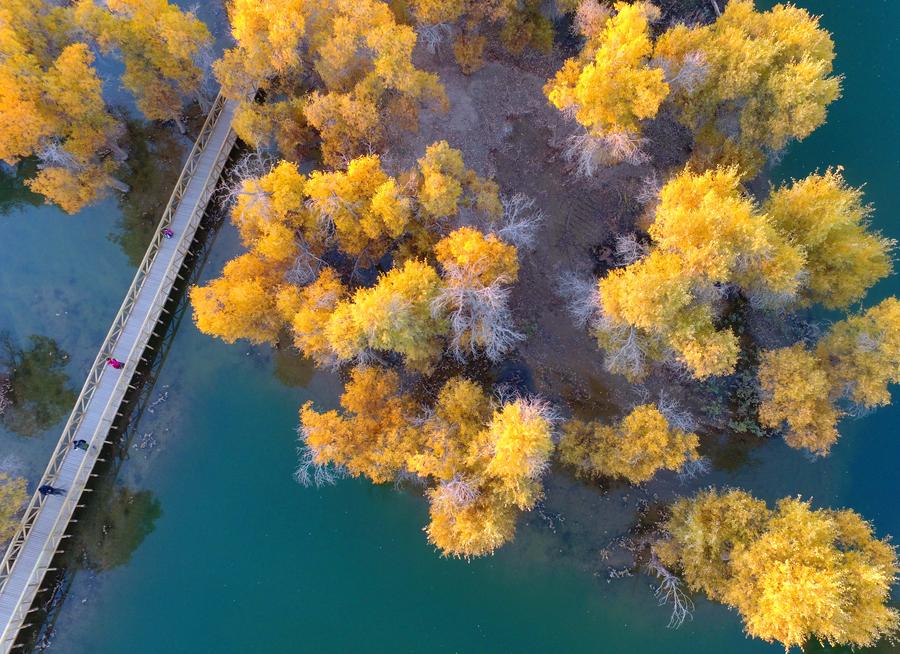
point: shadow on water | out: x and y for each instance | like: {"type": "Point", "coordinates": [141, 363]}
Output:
{"type": "Point", "coordinates": [152, 168]}
{"type": "Point", "coordinates": [36, 386]}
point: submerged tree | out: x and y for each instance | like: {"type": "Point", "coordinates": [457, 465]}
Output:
{"type": "Point", "coordinates": [36, 386]}
{"type": "Point", "coordinates": [635, 449]}
{"type": "Point", "coordinates": [794, 574]}
{"type": "Point", "coordinates": [852, 363]}
{"type": "Point", "coordinates": [483, 463]}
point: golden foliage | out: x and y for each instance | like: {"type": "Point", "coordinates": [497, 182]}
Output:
{"type": "Point", "coordinates": [483, 463]}
{"type": "Point", "coordinates": [373, 437]}
{"type": "Point", "coordinates": [771, 71]}
{"type": "Point", "coordinates": [863, 354]}
{"type": "Point", "coordinates": [704, 530]}
{"type": "Point", "coordinates": [476, 259]}
{"type": "Point", "coordinates": [468, 50]}
{"type": "Point", "coordinates": [793, 574]}
{"type": "Point", "coordinates": [318, 302]}
{"type": "Point", "coordinates": [13, 496]}
{"type": "Point", "coordinates": [356, 48]}
{"type": "Point", "coordinates": [394, 315]}
{"type": "Point", "coordinates": [611, 87]}
{"type": "Point", "coordinates": [829, 221]}
{"type": "Point", "coordinates": [635, 449]}
{"type": "Point", "coordinates": [242, 303]}
{"type": "Point", "coordinates": [160, 45]}
{"type": "Point", "coordinates": [796, 390]}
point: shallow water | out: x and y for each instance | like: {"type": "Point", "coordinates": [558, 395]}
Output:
{"type": "Point", "coordinates": [214, 548]}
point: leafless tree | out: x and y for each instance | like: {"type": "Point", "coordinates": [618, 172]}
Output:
{"type": "Point", "coordinates": [694, 468]}
{"type": "Point", "coordinates": [480, 318]}
{"type": "Point", "coordinates": [5, 394]}
{"type": "Point", "coordinates": [625, 353]}
{"type": "Point", "coordinates": [675, 414]}
{"type": "Point", "coordinates": [590, 17]}
{"type": "Point", "coordinates": [629, 249]}
{"type": "Point", "coordinates": [251, 166]}
{"type": "Point", "coordinates": [591, 152]}
{"type": "Point", "coordinates": [670, 591]}
{"type": "Point", "coordinates": [457, 492]}
{"type": "Point", "coordinates": [433, 36]}
{"type": "Point", "coordinates": [520, 221]}
{"type": "Point", "coordinates": [581, 296]}
{"type": "Point", "coordinates": [689, 76]}
{"type": "Point", "coordinates": [649, 191]}
{"type": "Point", "coordinates": [306, 266]}
{"type": "Point", "coordinates": [310, 472]}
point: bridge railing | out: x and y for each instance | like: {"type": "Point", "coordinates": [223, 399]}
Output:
{"type": "Point", "coordinates": [109, 343]}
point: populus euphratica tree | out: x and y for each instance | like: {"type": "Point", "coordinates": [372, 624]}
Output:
{"type": "Point", "coordinates": [794, 574]}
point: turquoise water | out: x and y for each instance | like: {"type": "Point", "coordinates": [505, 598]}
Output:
{"type": "Point", "coordinates": [226, 553]}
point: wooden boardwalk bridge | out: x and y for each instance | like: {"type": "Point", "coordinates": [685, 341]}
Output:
{"type": "Point", "coordinates": [31, 551]}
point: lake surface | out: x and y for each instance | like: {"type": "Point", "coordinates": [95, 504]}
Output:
{"type": "Point", "coordinates": [214, 547]}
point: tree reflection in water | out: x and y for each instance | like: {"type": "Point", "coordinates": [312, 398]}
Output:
{"type": "Point", "coordinates": [114, 525]}
{"type": "Point", "coordinates": [35, 387]}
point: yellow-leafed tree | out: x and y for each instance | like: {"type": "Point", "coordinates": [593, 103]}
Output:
{"type": "Point", "coordinates": [829, 221]}
{"type": "Point", "coordinates": [163, 49]}
{"type": "Point", "coordinates": [337, 63]}
{"type": "Point", "coordinates": [796, 390]}
{"type": "Point", "coordinates": [373, 436]}
{"type": "Point", "coordinates": [613, 85]}
{"type": "Point", "coordinates": [794, 574]}
{"type": "Point", "coordinates": [635, 449]}
{"type": "Point", "coordinates": [13, 496]}
{"type": "Point", "coordinates": [242, 303]}
{"type": "Point", "coordinates": [750, 82]}
{"type": "Point", "coordinates": [476, 272]}
{"type": "Point", "coordinates": [394, 315]}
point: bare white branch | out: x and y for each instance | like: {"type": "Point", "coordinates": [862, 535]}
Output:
{"type": "Point", "coordinates": [581, 296]}
{"type": "Point", "coordinates": [670, 591]}
{"type": "Point", "coordinates": [520, 221]}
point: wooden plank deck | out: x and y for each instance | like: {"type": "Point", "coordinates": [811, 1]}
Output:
{"type": "Point", "coordinates": [46, 519]}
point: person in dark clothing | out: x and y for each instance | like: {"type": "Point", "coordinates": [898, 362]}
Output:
{"type": "Point", "coordinates": [47, 489]}
{"type": "Point", "coordinates": [80, 444]}
{"type": "Point", "coordinates": [168, 233]}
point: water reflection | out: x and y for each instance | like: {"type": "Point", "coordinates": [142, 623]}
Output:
{"type": "Point", "coordinates": [13, 192]}
{"type": "Point", "coordinates": [114, 526]}
{"type": "Point", "coordinates": [152, 168]}
{"type": "Point", "coordinates": [292, 368]}
{"type": "Point", "coordinates": [36, 388]}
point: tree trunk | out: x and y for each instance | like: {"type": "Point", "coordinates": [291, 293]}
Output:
{"type": "Point", "coordinates": [715, 6]}
{"type": "Point", "coordinates": [181, 127]}
{"type": "Point", "coordinates": [119, 185]}
{"type": "Point", "coordinates": [119, 154]}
